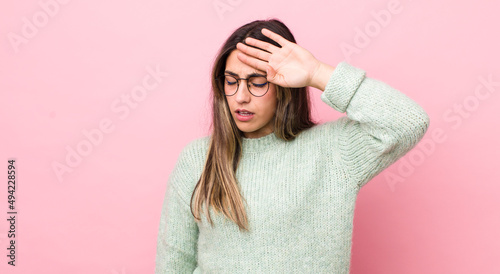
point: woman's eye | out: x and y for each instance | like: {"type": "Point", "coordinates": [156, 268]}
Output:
{"type": "Point", "coordinates": [231, 83]}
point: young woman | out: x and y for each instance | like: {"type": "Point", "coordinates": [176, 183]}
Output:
{"type": "Point", "coordinates": [269, 190]}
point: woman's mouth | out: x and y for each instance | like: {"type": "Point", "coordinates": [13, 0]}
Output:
{"type": "Point", "coordinates": [244, 115]}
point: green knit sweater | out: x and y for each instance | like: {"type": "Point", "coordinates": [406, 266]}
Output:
{"type": "Point", "coordinates": [300, 194]}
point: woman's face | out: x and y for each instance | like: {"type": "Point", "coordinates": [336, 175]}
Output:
{"type": "Point", "coordinates": [263, 108]}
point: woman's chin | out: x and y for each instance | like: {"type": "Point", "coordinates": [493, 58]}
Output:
{"type": "Point", "coordinates": [246, 130]}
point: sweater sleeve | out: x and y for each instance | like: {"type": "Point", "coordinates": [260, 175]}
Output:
{"type": "Point", "coordinates": [381, 126]}
{"type": "Point", "coordinates": [178, 232]}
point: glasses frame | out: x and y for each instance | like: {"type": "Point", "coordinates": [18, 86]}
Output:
{"type": "Point", "coordinates": [221, 80]}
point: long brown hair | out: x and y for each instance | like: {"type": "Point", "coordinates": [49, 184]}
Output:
{"type": "Point", "coordinates": [218, 187]}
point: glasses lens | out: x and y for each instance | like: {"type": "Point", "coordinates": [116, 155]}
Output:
{"type": "Point", "coordinates": [258, 85]}
{"type": "Point", "coordinates": [230, 84]}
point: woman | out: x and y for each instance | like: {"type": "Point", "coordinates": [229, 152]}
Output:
{"type": "Point", "coordinates": [280, 188]}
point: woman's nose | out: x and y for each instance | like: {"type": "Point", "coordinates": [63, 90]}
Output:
{"type": "Point", "coordinates": [243, 94]}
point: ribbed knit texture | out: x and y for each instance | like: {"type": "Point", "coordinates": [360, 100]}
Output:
{"type": "Point", "coordinates": [301, 194]}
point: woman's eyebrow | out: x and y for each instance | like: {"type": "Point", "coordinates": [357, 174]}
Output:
{"type": "Point", "coordinates": [248, 75]}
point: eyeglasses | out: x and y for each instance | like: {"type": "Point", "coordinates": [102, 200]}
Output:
{"type": "Point", "coordinates": [257, 85]}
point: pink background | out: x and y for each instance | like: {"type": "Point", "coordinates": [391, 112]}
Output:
{"type": "Point", "coordinates": [65, 68]}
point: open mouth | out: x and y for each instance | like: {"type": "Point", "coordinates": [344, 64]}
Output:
{"type": "Point", "coordinates": [244, 113]}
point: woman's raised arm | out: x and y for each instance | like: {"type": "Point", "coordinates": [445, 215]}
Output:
{"type": "Point", "coordinates": [381, 126]}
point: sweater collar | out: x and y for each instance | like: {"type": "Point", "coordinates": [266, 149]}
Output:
{"type": "Point", "coordinates": [265, 142]}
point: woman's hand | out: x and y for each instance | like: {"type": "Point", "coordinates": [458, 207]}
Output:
{"type": "Point", "coordinates": [288, 66]}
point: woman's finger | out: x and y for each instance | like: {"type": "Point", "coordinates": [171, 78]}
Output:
{"type": "Point", "coordinates": [276, 37]}
{"type": "Point", "coordinates": [253, 62]}
{"type": "Point", "coordinates": [260, 54]}
{"type": "Point", "coordinates": [261, 44]}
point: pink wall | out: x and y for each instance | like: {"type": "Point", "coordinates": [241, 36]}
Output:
{"type": "Point", "coordinates": [67, 67]}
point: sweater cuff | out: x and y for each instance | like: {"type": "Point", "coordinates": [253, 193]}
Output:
{"type": "Point", "coordinates": [342, 85]}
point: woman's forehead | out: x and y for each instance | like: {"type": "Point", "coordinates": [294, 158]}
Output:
{"type": "Point", "coordinates": [234, 64]}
